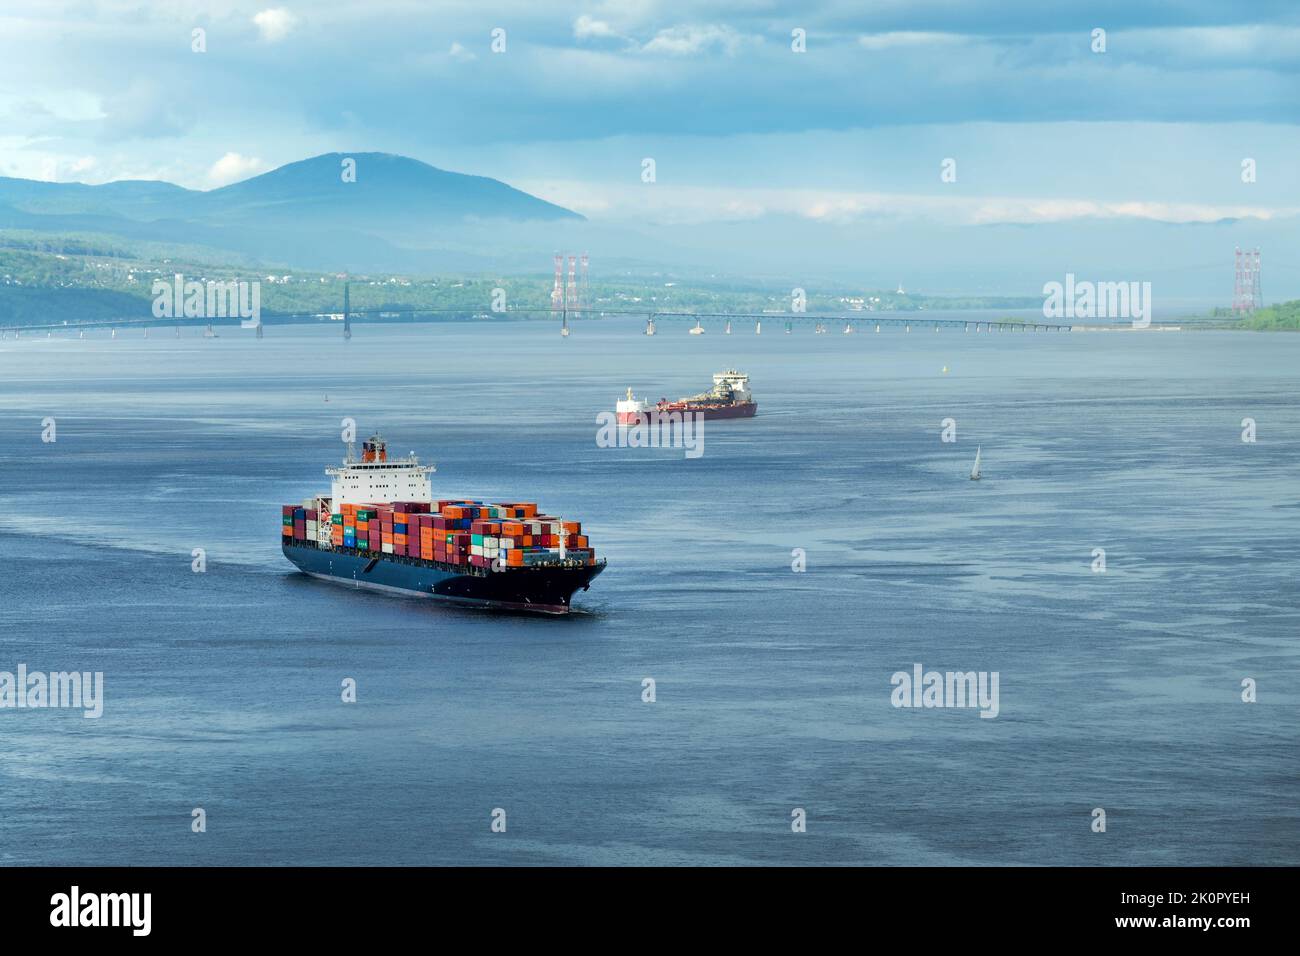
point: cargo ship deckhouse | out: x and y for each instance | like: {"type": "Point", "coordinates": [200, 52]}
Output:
{"type": "Point", "coordinates": [376, 478]}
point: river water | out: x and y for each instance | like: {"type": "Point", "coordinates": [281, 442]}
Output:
{"type": "Point", "coordinates": [1119, 690]}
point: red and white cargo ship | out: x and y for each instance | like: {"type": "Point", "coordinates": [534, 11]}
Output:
{"type": "Point", "coordinates": [729, 398]}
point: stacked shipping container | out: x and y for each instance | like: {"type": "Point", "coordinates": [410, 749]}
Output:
{"type": "Point", "coordinates": [511, 534]}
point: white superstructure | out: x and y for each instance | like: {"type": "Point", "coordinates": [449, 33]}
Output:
{"type": "Point", "coordinates": [735, 382]}
{"type": "Point", "coordinates": [377, 479]}
{"type": "Point", "coordinates": [629, 410]}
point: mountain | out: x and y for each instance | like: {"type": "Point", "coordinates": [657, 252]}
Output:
{"type": "Point", "coordinates": [303, 214]}
{"type": "Point", "coordinates": [388, 189]}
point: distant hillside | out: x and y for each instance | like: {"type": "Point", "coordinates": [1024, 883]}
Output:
{"type": "Point", "coordinates": [303, 213]}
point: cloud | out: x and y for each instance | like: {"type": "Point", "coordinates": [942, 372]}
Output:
{"type": "Point", "coordinates": [903, 38]}
{"type": "Point", "coordinates": [275, 23]}
{"type": "Point", "coordinates": [689, 40]}
{"type": "Point", "coordinates": [587, 27]}
{"type": "Point", "coordinates": [697, 205]}
{"type": "Point", "coordinates": [233, 167]}
{"type": "Point", "coordinates": [458, 52]}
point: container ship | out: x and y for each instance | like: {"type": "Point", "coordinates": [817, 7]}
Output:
{"type": "Point", "coordinates": [381, 529]}
{"type": "Point", "coordinates": [729, 398]}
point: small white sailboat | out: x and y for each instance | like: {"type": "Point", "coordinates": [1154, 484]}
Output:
{"type": "Point", "coordinates": [975, 471]}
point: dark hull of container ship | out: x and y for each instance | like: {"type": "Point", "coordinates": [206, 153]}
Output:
{"type": "Point", "coordinates": [545, 590]}
{"type": "Point", "coordinates": [737, 410]}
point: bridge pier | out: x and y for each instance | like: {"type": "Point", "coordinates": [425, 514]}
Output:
{"type": "Point", "coordinates": [347, 311]}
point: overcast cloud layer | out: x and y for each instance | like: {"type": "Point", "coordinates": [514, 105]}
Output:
{"type": "Point", "coordinates": [740, 127]}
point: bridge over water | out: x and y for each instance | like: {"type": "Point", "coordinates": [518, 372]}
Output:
{"type": "Point", "coordinates": [726, 322]}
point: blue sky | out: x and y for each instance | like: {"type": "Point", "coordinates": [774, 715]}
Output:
{"type": "Point", "coordinates": [1042, 128]}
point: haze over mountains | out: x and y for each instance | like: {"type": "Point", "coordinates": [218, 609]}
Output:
{"type": "Point", "coordinates": [303, 214]}
{"type": "Point", "coordinates": [403, 215]}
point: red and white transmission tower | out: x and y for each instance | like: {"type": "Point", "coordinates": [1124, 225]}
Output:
{"type": "Point", "coordinates": [1246, 296]}
{"type": "Point", "coordinates": [571, 293]}
{"type": "Point", "coordinates": [557, 293]}
{"type": "Point", "coordinates": [584, 293]}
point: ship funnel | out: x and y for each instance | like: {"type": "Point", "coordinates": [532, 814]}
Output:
{"type": "Point", "coordinates": [374, 449]}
